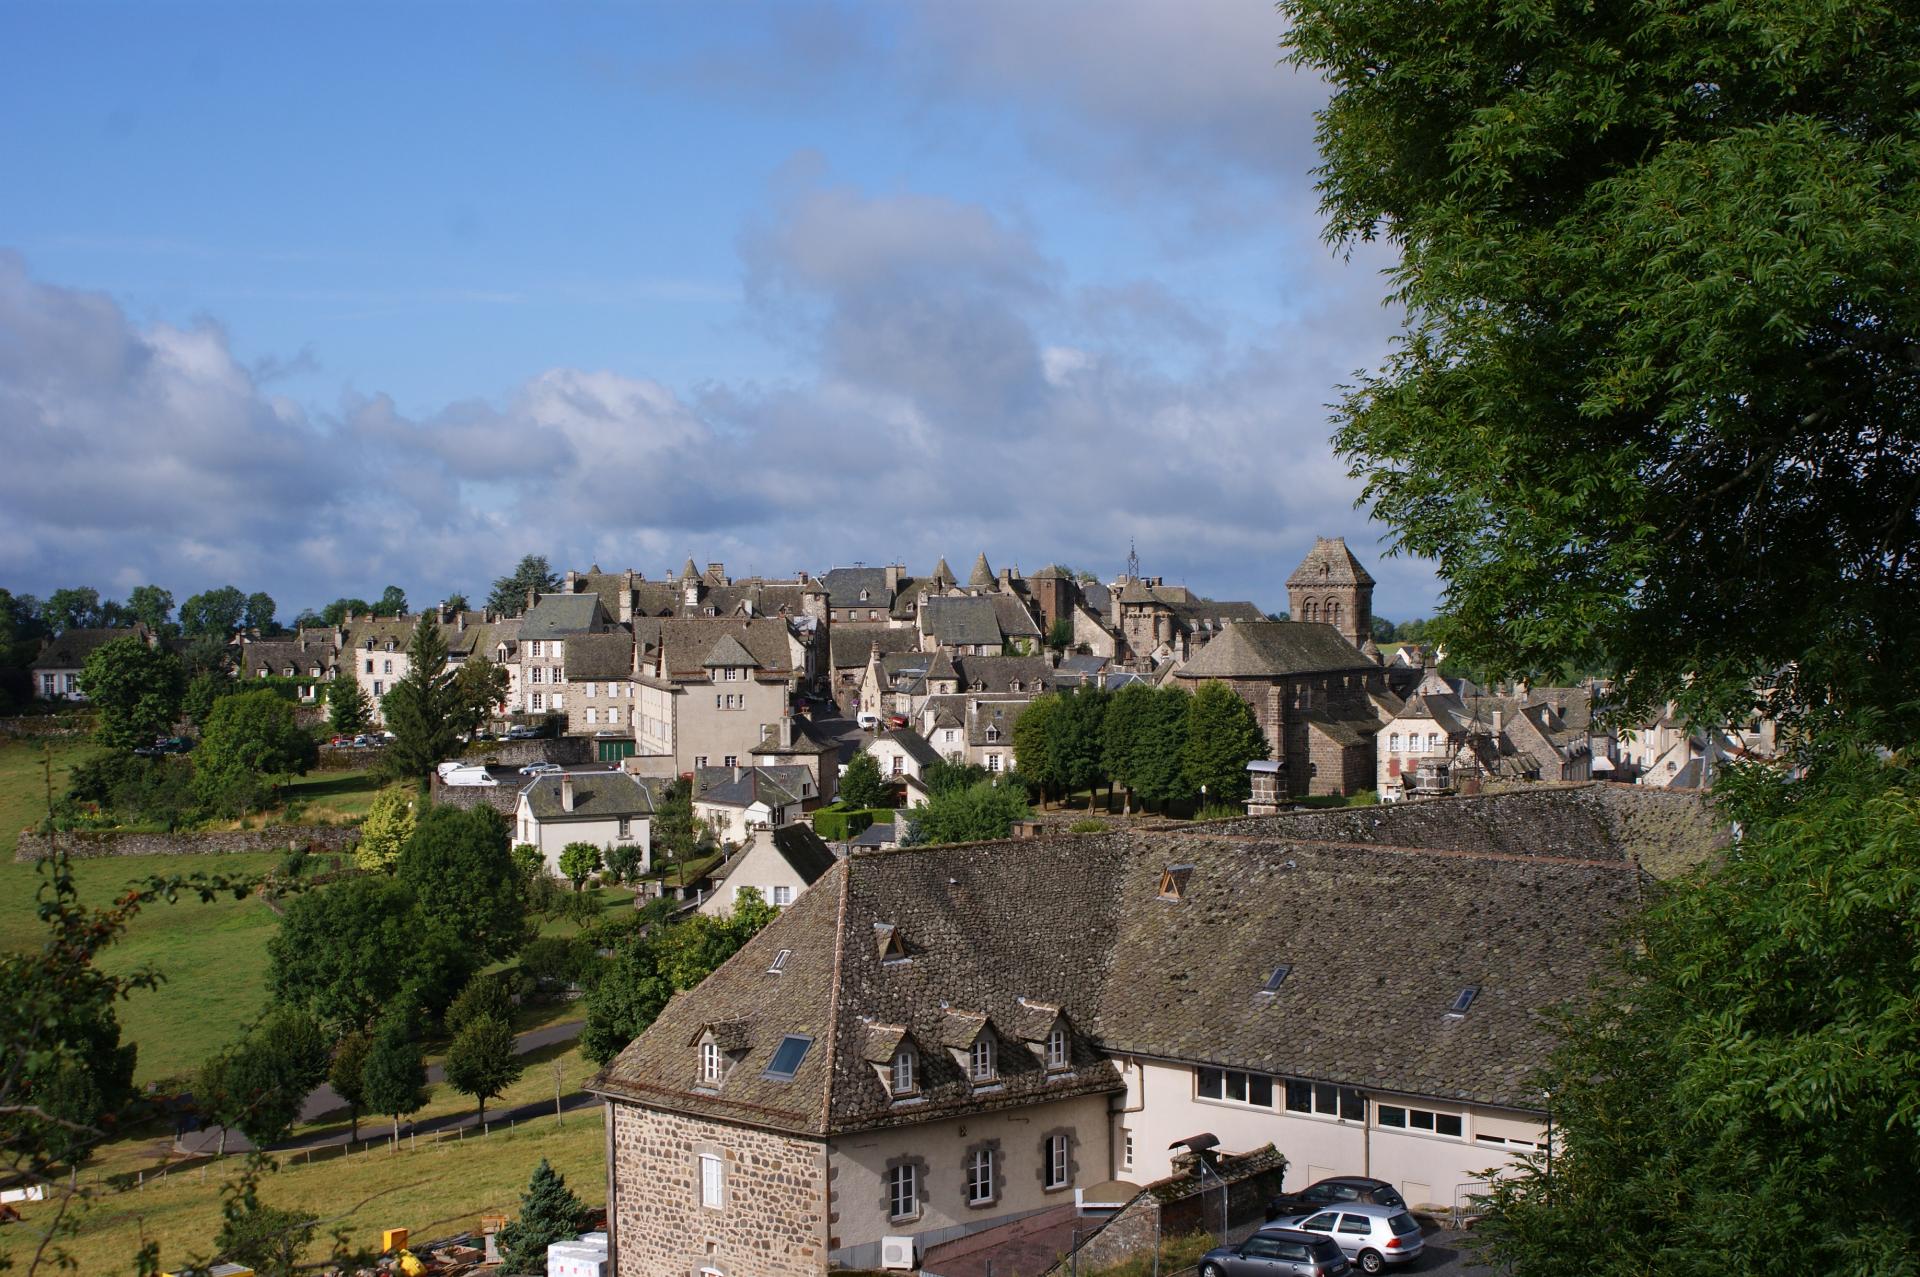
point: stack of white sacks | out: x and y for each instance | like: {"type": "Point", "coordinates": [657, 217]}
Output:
{"type": "Point", "coordinates": [585, 1257]}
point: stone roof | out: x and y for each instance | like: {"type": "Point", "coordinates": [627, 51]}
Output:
{"type": "Point", "coordinates": [778, 785]}
{"type": "Point", "coordinates": [1329, 562]}
{"type": "Point", "coordinates": [1272, 649]}
{"type": "Point", "coordinates": [850, 643]}
{"type": "Point", "coordinates": [993, 674]}
{"type": "Point", "coordinates": [1000, 713]}
{"type": "Point", "coordinates": [937, 945]}
{"type": "Point", "coordinates": [981, 578]}
{"type": "Point", "coordinates": [846, 585]}
{"type": "Point", "coordinates": [690, 641]}
{"type": "Point", "coordinates": [70, 649]}
{"type": "Point", "coordinates": [1015, 620]}
{"type": "Point", "coordinates": [276, 655]}
{"type": "Point", "coordinates": [600, 656]}
{"type": "Point", "coordinates": [596, 796]}
{"type": "Point", "coordinates": [911, 743]}
{"type": "Point", "coordinates": [943, 575]}
{"type": "Point", "coordinates": [961, 622]}
{"type": "Point", "coordinates": [728, 653]}
{"type": "Point", "coordinates": [562, 615]}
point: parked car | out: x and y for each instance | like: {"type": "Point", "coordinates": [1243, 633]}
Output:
{"type": "Point", "coordinates": [541, 769]}
{"type": "Point", "coordinates": [341, 742]}
{"type": "Point", "coordinates": [452, 765]}
{"type": "Point", "coordinates": [1334, 1191]}
{"type": "Point", "coordinates": [361, 742]}
{"type": "Point", "coordinates": [523, 733]}
{"type": "Point", "coordinates": [896, 720]}
{"type": "Point", "coordinates": [1372, 1236]}
{"type": "Point", "coordinates": [1277, 1252]}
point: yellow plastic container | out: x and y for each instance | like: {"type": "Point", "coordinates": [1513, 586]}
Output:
{"type": "Point", "coordinates": [393, 1239]}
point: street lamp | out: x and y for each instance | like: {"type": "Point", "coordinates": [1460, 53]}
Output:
{"type": "Point", "coordinates": [1549, 1095]}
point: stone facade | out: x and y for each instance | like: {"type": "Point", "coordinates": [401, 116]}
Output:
{"type": "Point", "coordinates": [772, 1218]}
{"type": "Point", "coordinates": [99, 844]}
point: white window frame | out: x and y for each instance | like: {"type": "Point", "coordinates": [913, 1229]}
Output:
{"type": "Point", "coordinates": [903, 1080]}
{"type": "Point", "coordinates": [710, 1062]}
{"type": "Point", "coordinates": [1056, 1172]}
{"type": "Point", "coordinates": [980, 1190]}
{"type": "Point", "coordinates": [980, 1061]}
{"type": "Point", "coordinates": [903, 1191]}
{"type": "Point", "coordinates": [782, 896]}
{"type": "Point", "coordinates": [713, 1182]}
{"type": "Point", "coordinates": [1126, 1150]}
{"type": "Point", "coordinates": [1420, 1121]}
{"type": "Point", "coordinates": [1057, 1047]}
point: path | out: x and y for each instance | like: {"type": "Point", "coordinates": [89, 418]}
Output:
{"type": "Point", "coordinates": [324, 1100]}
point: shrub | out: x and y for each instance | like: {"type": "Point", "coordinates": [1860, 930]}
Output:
{"type": "Point", "coordinates": [1087, 827]}
{"type": "Point", "coordinates": [555, 962]}
{"type": "Point", "coordinates": [839, 822]}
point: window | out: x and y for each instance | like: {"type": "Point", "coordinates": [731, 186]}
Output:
{"type": "Point", "coordinates": [613, 717]}
{"type": "Point", "coordinates": [1054, 1172]}
{"type": "Point", "coordinates": [536, 675]}
{"type": "Point", "coordinates": [386, 667]}
{"type": "Point", "coordinates": [780, 962]}
{"type": "Point", "coordinates": [593, 715]}
{"type": "Point", "coordinates": [782, 896]}
{"type": "Point", "coordinates": [712, 1184]}
{"type": "Point", "coordinates": [980, 1059]}
{"type": "Point", "coordinates": [539, 701]}
{"type": "Point", "coordinates": [1126, 1150]}
{"type": "Point", "coordinates": [1393, 742]}
{"type": "Point", "coordinates": [1057, 1047]}
{"type": "Point", "coordinates": [536, 647]}
{"type": "Point", "coordinates": [1464, 999]}
{"type": "Point", "coordinates": [899, 764]}
{"type": "Point", "coordinates": [903, 1191]}
{"type": "Point", "coordinates": [903, 1065]}
{"type": "Point", "coordinates": [787, 1057]}
{"type": "Point", "coordinates": [626, 826]}
{"type": "Point", "coordinates": [1278, 978]}
{"type": "Point", "coordinates": [993, 734]}
{"type": "Point", "coordinates": [379, 688]}
{"type": "Point", "coordinates": [980, 1177]}
{"type": "Point", "coordinates": [369, 667]}
{"type": "Point", "coordinates": [1324, 1100]}
{"type": "Point", "coordinates": [710, 1062]}
{"type": "Point", "coordinates": [1355, 1225]}
{"type": "Point", "coordinates": [731, 760]}
{"type": "Point", "coordinates": [1433, 740]}
{"type": "Point", "coordinates": [699, 761]}
{"type": "Point", "coordinates": [993, 762]}
{"type": "Point", "coordinates": [733, 674]}
{"type": "Point", "coordinates": [1403, 1118]}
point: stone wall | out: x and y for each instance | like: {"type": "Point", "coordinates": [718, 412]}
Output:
{"type": "Point", "coordinates": [1185, 1202]}
{"type": "Point", "coordinates": [772, 1222]}
{"type": "Point", "coordinates": [565, 750]}
{"type": "Point", "coordinates": [47, 725]}
{"type": "Point", "coordinates": [88, 845]}
{"type": "Point", "coordinates": [504, 799]}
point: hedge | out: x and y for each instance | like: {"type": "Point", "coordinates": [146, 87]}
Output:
{"type": "Point", "coordinates": [838, 824]}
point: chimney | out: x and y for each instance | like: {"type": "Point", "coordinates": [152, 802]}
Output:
{"type": "Point", "coordinates": [530, 596]}
{"type": "Point", "coordinates": [786, 728]}
{"type": "Point", "coordinates": [572, 579]}
{"type": "Point", "coordinates": [894, 573]}
{"type": "Point", "coordinates": [736, 773]}
{"type": "Point", "coordinates": [717, 573]}
{"type": "Point", "coordinates": [460, 621]}
{"type": "Point", "coordinates": [566, 791]}
{"type": "Point", "coordinates": [1499, 721]}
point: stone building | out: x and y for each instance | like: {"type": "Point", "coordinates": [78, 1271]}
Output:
{"type": "Point", "coordinates": [56, 668]}
{"type": "Point", "coordinates": [1332, 588]}
{"type": "Point", "coordinates": [1318, 699]}
{"type": "Point", "coordinates": [934, 1041]}
{"type": "Point", "coordinates": [712, 692]}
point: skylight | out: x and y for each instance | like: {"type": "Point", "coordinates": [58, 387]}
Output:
{"type": "Point", "coordinates": [779, 962]}
{"type": "Point", "coordinates": [787, 1057]}
{"type": "Point", "coordinates": [1463, 999]}
{"type": "Point", "coordinates": [1278, 978]}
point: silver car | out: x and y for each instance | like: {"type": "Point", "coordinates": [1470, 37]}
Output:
{"type": "Point", "coordinates": [1277, 1252]}
{"type": "Point", "coordinates": [1372, 1236]}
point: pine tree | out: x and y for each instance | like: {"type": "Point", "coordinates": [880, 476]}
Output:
{"type": "Point", "coordinates": [549, 1212]}
{"type": "Point", "coordinates": [348, 709]}
{"type": "Point", "coordinates": [420, 710]}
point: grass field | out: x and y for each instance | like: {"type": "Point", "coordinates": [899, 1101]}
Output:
{"type": "Point", "coordinates": [23, 792]}
{"type": "Point", "coordinates": [433, 1190]}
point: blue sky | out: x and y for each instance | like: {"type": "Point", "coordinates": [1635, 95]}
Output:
{"type": "Point", "coordinates": [318, 298]}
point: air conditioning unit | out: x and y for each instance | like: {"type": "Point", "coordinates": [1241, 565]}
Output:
{"type": "Point", "coordinates": [897, 1252]}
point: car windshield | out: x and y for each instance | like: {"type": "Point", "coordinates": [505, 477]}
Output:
{"type": "Point", "coordinates": [1325, 1249]}
{"type": "Point", "coordinates": [1402, 1224]}
{"type": "Point", "coordinates": [1387, 1197]}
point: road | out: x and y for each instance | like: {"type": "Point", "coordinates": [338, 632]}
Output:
{"type": "Point", "coordinates": [325, 1101]}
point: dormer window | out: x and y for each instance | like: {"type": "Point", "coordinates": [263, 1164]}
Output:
{"type": "Point", "coordinates": [993, 734]}
{"type": "Point", "coordinates": [1057, 1047]}
{"type": "Point", "coordinates": [710, 1063]}
{"type": "Point", "coordinates": [369, 645]}
{"type": "Point", "coordinates": [1173, 882]}
{"type": "Point", "coordinates": [389, 645]}
{"type": "Point", "coordinates": [980, 1062]}
{"type": "Point", "coordinates": [904, 1079]}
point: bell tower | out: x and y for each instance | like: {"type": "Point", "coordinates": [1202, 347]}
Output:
{"type": "Point", "coordinates": [1332, 588]}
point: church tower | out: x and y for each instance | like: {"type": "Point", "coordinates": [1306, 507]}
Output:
{"type": "Point", "coordinates": [1330, 586]}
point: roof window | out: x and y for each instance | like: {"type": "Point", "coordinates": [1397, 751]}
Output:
{"type": "Point", "coordinates": [1463, 999]}
{"type": "Point", "coordinates": [1278, 978]}
{"type": "Point", "coordinates": [1173, 882]}
{"type": "Point", "coordinates": [780, 962]}
{"type": "Point", "coordinates": [787, 1057]}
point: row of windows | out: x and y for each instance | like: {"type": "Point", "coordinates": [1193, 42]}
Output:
{"type": "Point", "coordinates": [613, 716]}
{"type": "Point", "coordinates": [1413, 741]}
{"type": "Point", "coordinates": [1319, 1099]}
{"type": "Point", "coordinates": [729, 700]}
{"type": "Point", "coordinates": [906, 1191]}
{"type": "Point", "coordinates": [537, 700]}
{"type": "Point", "coordinates": [731, 760]}
{"type": "Point", "coordinates": [386, 668]}
{"type": "Point", "coordinates": [983, 1065]}
{"type": "Point", "coordinates": [613, 689]}
{"type": "Point", "coordinates": [548, 647]}
{"type": "Point", "coordinates": [1396, 1115]}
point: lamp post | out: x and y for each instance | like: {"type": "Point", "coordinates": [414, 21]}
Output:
{"type": "Point", "coordinates": [1549, 1095]}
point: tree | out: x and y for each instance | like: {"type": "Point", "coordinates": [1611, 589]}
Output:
{"type": "Point", "coordinates": [394, 1076]}
{"type": "Point", "coordinates": [1159, 754]}
{"type": "Point", "coordinates": [1127, 723]}
{"type": "Point", "coordinates": [459, 866]}
{"type": "Point", "coordinates": [479, 689]}
{"type": "Point", "coordinates": [481, 997]}
{"type": "Point", "coordinates": [1060, 634]}
{"type": "Point", "coordinates": [456, 602]}
{"type": "Point", "coordinates": [979, 812]}
{"type": "Point", "coordinates": [336, 612]}
{"type": "Point", "coordinates": [549, 1213]}
{"type": "Point", "coordinates": [1729, 1094]}
{"type": "Point", "coordinates": [623, 861]}
{"type": "Point", "coordinates": [1035, 745]}
{"type": "Point", "coordinates": [1382, 629]}
{"type": "Point", "coordinates": [393, 602]}
{"type": "Point", "coordinates": [72, 609]}
{"type": "Point", "coordinates": [345, 1076]}
{"type": "Point", "coordinates": [943, 778]}
{"type": "Point", "coordinates": [674, 828]}
{"type": "Point", "coordinates": [420, 709]}
{"type": "Point", "coordinates": [578, 860]}
{"type": "Point", "coordinates": [258, 616]}
{"type": "Point", "coordinates": [860, 784]}
{"type": "Point", "coordinates": [348, 710]}
{"type": "Point", "coordinates": [346, 951]}
{"type": "Point", "coordinates": [135, 691]}
{"type": "Point", "coordinates": [1078, 738]}
{"type": "Point", "coordinates": [266, 1239]}
{"type": "Point", "coordinates": [251, 743]}
{"type": "Point", "coordinates": [1656, 399]}
{"type": "Point", "coordinates": [260, 1084]}
{"type": "Point", "coordinates": [387, 828]}
{"type": "Point", "coordinates": [217, 613]}
{"type": "Point", "coordinates": [481, 1062]}
{"type": "Point", "coordinates": [152, 607]}
{"type": "Point", "coordinates": [1223, 736]}
{"type": "Point", "coordinates": [203, 689]}
{"type": "Point", "coordinates": [509, 597]}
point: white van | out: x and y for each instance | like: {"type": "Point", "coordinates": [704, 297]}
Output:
{"type": "Point", "coordinates": [468, 775]}
{"type": "Point", "coordinates": [450, 766]}
{"type": "Point", "coordinates": [869, 721]}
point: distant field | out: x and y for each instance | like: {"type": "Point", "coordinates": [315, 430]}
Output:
{"type": "Point", "coordinates": [23, 790]}
{"type": "Point", "coordinates": [434, 1190]}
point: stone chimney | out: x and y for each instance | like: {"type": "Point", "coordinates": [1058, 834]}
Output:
{"type": "Point", "coordinates": [716, 574]}
{"type": "Point", "coordinates": [530, 596]}
{"type": "Point", "coordinates": [1499, 721]}
{"type": "Point", "coordinates": [786, 728]}
{"type": "Point", "coordinates": [894, 572]}
{"type": "Point", "coordinates": [566, 791]}
{"type": "Point", "coordinates": [626, 597]}
{"type": "Point", "coordinates": [736, 773]}
{"type": "Point", "coordinates": [573, 579]}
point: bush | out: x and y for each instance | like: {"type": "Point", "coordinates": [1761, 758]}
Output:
{"type": "Point", "coordinates": [1087, 827]}
{"type": "Point", "coordinates": [483, 996]}
{"type": "Point", "coordinates": [1220, 811]}
{"type": "Point", "coordinates": [555, 962]}
{"type": "Point", "coordinates": [839, 822]}
{"type": "Point", "coordinates": [130, 789]}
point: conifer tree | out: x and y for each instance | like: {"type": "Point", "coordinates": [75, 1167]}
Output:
{"type": "Point", "coordinates": [420, 710]}
{"type": "Point", "coordinates": [348, 709]}
{"type": "Point", "coordinates": [549, 1212]}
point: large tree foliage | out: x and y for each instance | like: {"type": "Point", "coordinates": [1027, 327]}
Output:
{"type": "Point", "coordinates": [250, 744]}
{"type": "Point", "coordinates": [861, 784]}
{"type": "Point", "coordinates": [152, 606]}
{"type": "Point", "coordinates": [481, 1062]}
{"type": "Point", "coordinates": [1658, 396]}
{"type": "Point", "coordinates": [509, 597]}
{"type": "Point", "coordinates": [1223, 736]}
{"type": "Point", "coordinates": [421, 708]}
{"type": "Point", "coordinates": [72, 609]}
{"type": "Point", "coordinates": [259, 1084]}
{"type": "Point", "coordinates": [136, 690]}
{"type": "Point", "coordinates": [479, 691]}
{"type": "Point", "coordinates": [978, 812]}
{"type": "Point", "coordinates": [1745, 1096]}
{"type": "Point", "coordinates": [216, 613]}
{"type": "Point", "coordinates": [350, 951]}
{"type": "Point", "coordinates": [387, 828]}
{"type": "Point", "coordinates": [348, 710]}
{"type": "Point", "coordinates": [459, 865]}
{"type": "Point", "coordinates": [393, 1077]}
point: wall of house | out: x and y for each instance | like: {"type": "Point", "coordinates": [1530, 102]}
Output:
{"type": "Point", "coordinates": [735, 824]}
{"type": "Point", "coordinates": [893, 759]}
{"type": "Point", "coordinates": [551, 836]}
{"type": "Point", "coordinates": [760, 866]}
{"type": "Point", "coordinates": [599, 705]}
{"type": "Point", "coordinates": [772, 1221]}
{"type": "Point", "coordinates": [1397, 750]}
{"type": "Point", "coordinates": [702, 730]}
{"type": "Point", "coordinates": [858, 1167]}
{"type": "Point", "coordinates": [1429, 1170]}
{"type": "Point", "coordinates": [654, 706]}
{"type": "Point", "coordinates": [542, 674]}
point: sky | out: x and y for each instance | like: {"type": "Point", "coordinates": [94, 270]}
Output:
{"type": "Point", "coordinates": [320, 298]}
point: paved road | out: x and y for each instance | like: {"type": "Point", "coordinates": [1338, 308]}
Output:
{"type": "Point", "coordinates": [324, 1100]}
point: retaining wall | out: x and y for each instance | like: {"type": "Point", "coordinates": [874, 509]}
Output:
{"type": "Point", "coordinates": [565, 750]}
{"type": "Point", "coordinates": [89, 845]}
